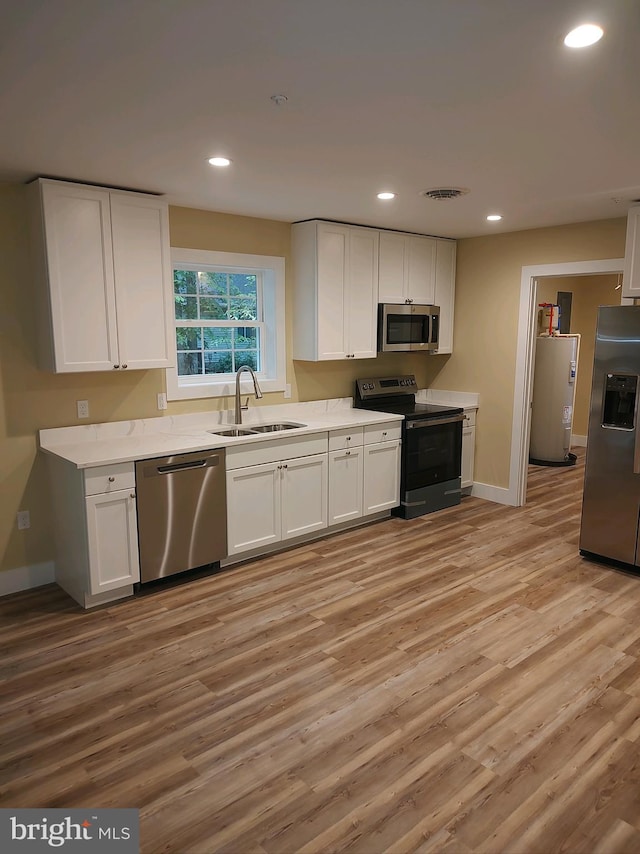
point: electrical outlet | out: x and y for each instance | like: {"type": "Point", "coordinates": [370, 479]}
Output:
{"type": "Point", "coordinates": [24, 520]}
{"type": "Point", "coordinates": [162, 400]}
{"type": "Point", "coordinates": [83, 408]}
{"type": "Point", "coordinates": [287, 391]}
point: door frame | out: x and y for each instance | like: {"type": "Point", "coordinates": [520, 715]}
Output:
{"type": "Point", "coordinates": [523, 387]}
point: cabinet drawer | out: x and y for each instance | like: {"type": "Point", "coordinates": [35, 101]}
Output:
{"type": "Point", "coordinates": [469, 418]}
{"type": "Point", "coordinates": [390, 430]}
{"type": "Point", "coordinates": [109, 478]}
{"type": "Point", "coordinates": [340, 440]}
{"type": "Point", "coordinates": [271, 451]}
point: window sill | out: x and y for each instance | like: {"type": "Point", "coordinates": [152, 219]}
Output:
{"type": "Point", "coordinates": [222, 389]}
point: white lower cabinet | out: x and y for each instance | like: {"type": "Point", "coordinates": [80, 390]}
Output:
{"type": "Point", "coordinates": [276, 501]}
{"type": "Point", "coordinates": [113, 540]}
{"type": "Point", "coordinates": [381, 476]}
{"type": "Point", "coordinates": [96, 530]}
{"type": "Point", "coordinates": [468, 447]}
{"type": "Point", "coordinates": [345, 485]}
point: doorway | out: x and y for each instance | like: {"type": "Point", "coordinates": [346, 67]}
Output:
{"type": "Point", "coordinates": [524, 359]}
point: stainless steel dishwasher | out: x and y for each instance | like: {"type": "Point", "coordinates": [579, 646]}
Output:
{"type": "Point", "coordinates": [182, 512]}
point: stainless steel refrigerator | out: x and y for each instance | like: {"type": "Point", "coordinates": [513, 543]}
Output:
{"type": "Point", "coordinates": [611, 503]}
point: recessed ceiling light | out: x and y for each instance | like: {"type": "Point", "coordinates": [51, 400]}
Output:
{"type": "Point", "coordinates": [494, 217]}
{"type": "Point", "coordinates": [584, 35]}
{"type": "Point", "coordinates": [386, 196]}
{"type": "Point", "coordinates": [219, 161]}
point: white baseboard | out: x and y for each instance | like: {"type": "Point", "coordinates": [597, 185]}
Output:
{"type": "Point", "coordinates": [578, 441]}
{"type": "Point", "coordinates": [26, 577]}
{"type": "Point", "coordinates": [499, 494]}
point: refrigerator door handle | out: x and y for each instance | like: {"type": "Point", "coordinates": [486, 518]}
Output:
{"type": "Point", "coordinates": [636, 444]}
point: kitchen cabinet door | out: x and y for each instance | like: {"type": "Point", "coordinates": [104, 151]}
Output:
{"type": "Point", "coordinates": [381, 476]}
{"type": "Point", "coordinates": [335, 279]}
{"type": "Point", "coordinates": [468, 448]}
{"type": "Point", "coordinates": [421, 270]}
{"type": "Point", "coordinates": [407, 268]}
{"type": "Point", "coordinates": [631, 275]}
{"type": "Point", "coordinates": [71, 237]}
{"type": "Point", "coordinates": [253, 507]}
{"type": "Point", "coordinates": [393, 267]}
{"type": "Point", "coordinates": [332, 272]}
{"type": "Point", "coordinates": [445, 291]}
{"type": "Point", "coordinates": [345, 485]}
{"type": "Point", "coordinates": [103, 266]}
{"type": "Point", "coordinates": [143, 281]}
{"type": "Point", "coordinates": [304, 495]}
{"type": "Point", "coordinates": [361, 304]}
{"type": "Point", "coordinates": [112, 540]}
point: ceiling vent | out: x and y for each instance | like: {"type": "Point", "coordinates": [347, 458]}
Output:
{"type": "Point", "coordinates": [440, 193]}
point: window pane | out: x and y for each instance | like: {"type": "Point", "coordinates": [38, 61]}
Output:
{"type": "Point", "coordinates": [188, 339]}
{"type": "Point", "coordinates": [246, 336]}
{"type": "Point", "coordinates": [217, 339]}
{"type": "Point", "coordinates": [243, 308]}
{"type": "Point", "coordinates": [218, 363]}
{"type": "Point", "coordinates": [189, 364]}
{"type": "Point", "coordinates": [213, 309]}
{"type": "Point", "coordinates": [186, 307]}
{"type": "Point", "coordinates": [184, 281]}
{"type": "Point", "coordinates": [214, 284]}
{"type": "Point", "coordinates": [246, 357]}
{"type": "Point", "coordinates": [244, 284]}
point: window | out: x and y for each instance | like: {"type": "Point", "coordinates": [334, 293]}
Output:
{"type": "Point", "coordinates": [228, 312]}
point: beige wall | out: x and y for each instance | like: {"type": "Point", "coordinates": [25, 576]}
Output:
{"type": "Point", "coordinates": [487, 293]}
{"type": "Point", "coordinates": [489, 271]}
{"type": "Point", "coordinates": [588, 292]}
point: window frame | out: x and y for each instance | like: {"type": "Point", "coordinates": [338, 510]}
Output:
{"type": "Point", "coordinates": [271, 271]}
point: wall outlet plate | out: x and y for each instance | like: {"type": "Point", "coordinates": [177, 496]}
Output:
{"type": "Point", "coordinates": [24, 520]}
{"type": "Point", "coordinates": [162, 400]}
{"type": "Point", "coordinates": [287, 391]}
{"type": "Point", "coordinates": [83, 408]}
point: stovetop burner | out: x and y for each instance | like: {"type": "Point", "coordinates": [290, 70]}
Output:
{"type": "Point", "coordinates": [396, 395]}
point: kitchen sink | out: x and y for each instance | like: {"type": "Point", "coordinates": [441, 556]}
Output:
{"type": "Point", "coordinates": [274, 428]}
{"type": "Point", "coordinates": [232, 431]}
{"type": "Point", "coordinates": [256, 428]}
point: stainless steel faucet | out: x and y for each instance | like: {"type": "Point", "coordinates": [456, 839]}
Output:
{"type": "Point", "coordinates": [256, 388]}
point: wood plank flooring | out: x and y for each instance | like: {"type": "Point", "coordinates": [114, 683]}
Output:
{"type": "Point", "coordinates": [462, 682]}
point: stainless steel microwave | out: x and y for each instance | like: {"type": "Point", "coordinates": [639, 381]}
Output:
{"type": "Point", "coordinates": [408, 328]}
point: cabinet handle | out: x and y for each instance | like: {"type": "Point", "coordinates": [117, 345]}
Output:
{"type": "Point", "coordinates": [348, 454]}
{"type": "Point", "coordinates": [348, 438]}
{"type": "Point", "coordinates": [285, 466]}
{"type": "Point", "coordinates": [132, 495]}
{"type": "Point", "coordinates": [384, 432]}
{"type": "Point", "coordinates": [125, 366]}
{"type": "Point", "coordinates": [111, 479]}
{"type": "Point", "coordinates": [115, 367]}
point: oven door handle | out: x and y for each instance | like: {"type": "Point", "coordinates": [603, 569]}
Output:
{"type": "Point", "coordinates": [430, 422]}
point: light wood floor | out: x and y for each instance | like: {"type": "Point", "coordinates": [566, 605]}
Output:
{"type": "Point", "coordinates": [462, 682]}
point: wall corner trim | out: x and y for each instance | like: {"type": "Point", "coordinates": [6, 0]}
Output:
{"type": "Point", "coordinates": [26, 577]}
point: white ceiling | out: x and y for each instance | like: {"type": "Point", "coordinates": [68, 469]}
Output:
{"type": "Point", "coordinates": [382, 94]}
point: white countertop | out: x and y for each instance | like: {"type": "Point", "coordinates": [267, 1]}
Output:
{"type": "Point", "coordinates": [125, 441]}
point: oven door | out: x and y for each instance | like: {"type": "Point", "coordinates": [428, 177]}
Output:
{"type": "Point", "coordinates": [431, 451]}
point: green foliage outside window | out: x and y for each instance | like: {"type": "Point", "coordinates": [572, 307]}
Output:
{"type": "Point", "coordinates": [213, 297]}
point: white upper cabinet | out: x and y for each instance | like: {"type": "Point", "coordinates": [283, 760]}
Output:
{"type": "Point", "coordinates": [631, 276]}
{"type": "Point", "coordinates": [335, 281]}
{"type": "Point", "coordinates": [445, 291]}
{"type": "Point", "coordinates": [102, 258]}
{"type": "Point", "coordinates": [407, 268]}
